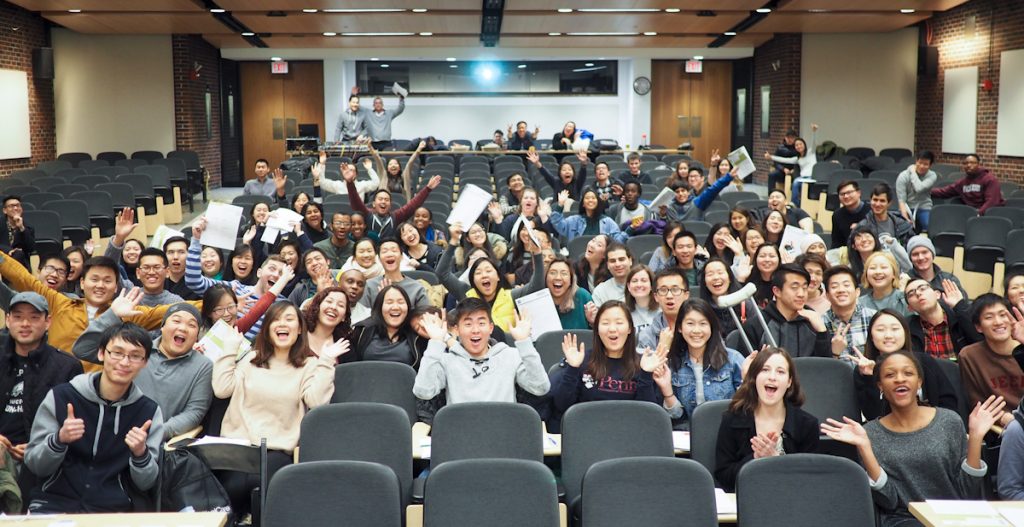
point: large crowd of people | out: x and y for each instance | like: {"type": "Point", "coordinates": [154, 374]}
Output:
{"type": "Point", "coordinates": [336, 290]}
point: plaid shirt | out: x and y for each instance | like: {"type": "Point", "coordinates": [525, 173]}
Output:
{"type": "Point", "coordinates": [937, 341]}
{"type": "Point", "coordinates": [858, 332]}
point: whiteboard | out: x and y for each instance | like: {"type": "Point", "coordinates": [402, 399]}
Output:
{"type": "Point", "coordinates": [15, 140]}
{"type": "Point", "coordinates": [960, 110]}
{"type": "Point", "coordinates": [1009, 139]}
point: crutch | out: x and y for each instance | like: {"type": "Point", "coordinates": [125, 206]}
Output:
{"type": "Point", "coordinates": [736, 298]}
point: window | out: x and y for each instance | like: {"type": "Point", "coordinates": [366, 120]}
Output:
{"type": "Point", "coordinates": [492, 78]}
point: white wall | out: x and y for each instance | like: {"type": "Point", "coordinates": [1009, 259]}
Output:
{"type": "Point", "coordinates": [113, 92]}
{"type": "Point", "coordinates": [860, 88]}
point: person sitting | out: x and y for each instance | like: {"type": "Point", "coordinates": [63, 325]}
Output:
{"type": "Point", "coordinates": [670, 291]}
{"type": "Point", "coordinates": [423, 255]}
{"type": "Point", "coordinates": [568, 179]}
{"type": "Point", "coordinates": [716, 280]}
{"type": "Point", "coordinates": [388, 334]}
{"type": "Point", "coordinates": [921, 251]}
{"type": "Point", "coordinates": [663, 256]}
{"type": "Point", "coordinates": [815, 264]}
{"type": "Point", "coordinates": [881, 282]}
{"type": "Point", "coordinates": [321, 181]}
{"type": "Point", "coordinates": [700, 367]}
{"type": "Point", "coordinates": [531, 207]}
{"type": "Point", "coordinates": [175, 376]}
{"type": "Point", "coordinates": [639, 297]}
{"type": "Point", "coordinates": [940, 329]}
{"type": "Point", "coordinates": [261, 185]}
{"type": "Point", "coordinates": [764, 418]}
{"type": "Point", "coordinates": [473, 368]}
{"type": "Point", "coordinates": [509, 202]}
{"type": "Point", "coordinates": [852, 211]}
{"type": "Point", "coordinates": [794, 214]}
{"type": "Point", "coordinates": [792, 326]}
{"type": "Point", "coordinates": [364, 259]}
{"type": "Point", "coordinates": [390, 260]}
{"type": "Point", "coordinates": [608, 188]}
{"type": "Point", "coordinates": [687, 260]}
{"type": "Point", "coordinates": [805, 159]}
{"type": "Point", "coordinates": [1010, 473]}
{"type": "Point", "coordinates": [913, 190]}
{"type": "Point", "coordinates": [690, 204]}
{"type": "Point", "coordinates": [847, 319]}
{"type": "Point", "coordinates": [570, 299]}
{"type": "Point", "coordinates": [988, 367]}
{"type": "Point", "coordinates": [590, 221]}
{"type": "Point", "coordinates": [780, 170]}
{"type": "Point", "coordinates": [86, 468]}
{"type": "Point", "coordinates": [354, 284]}
{"type": "Point", "coordinates": [916, 452]}
{"type": "Point", "coordinates": [979, 188]}
{"type": "Point", "coordinates": [338, 248]}
{"type": "Point", "coordinates": [316, 274]}
{"type": "Point", "coordinates": [631, 215]}
{"type": "Point", "coordinates": [883, 223]}
{"type": "Point", "coordinates": [863, 243]}
{"type": "Point", "coordinates": [766, 260]}
{"type": "Point", "coordinates": [382, 220]}
{"type": "Point", "coordinates": [614, 370]}
{"type": "Point", "coordinates": [633, 172]}
{"type": "Point", "coordinates": [619, 260]}
{"type": "Point", "coordinates": [591, 268]}
{"type": "Point", "coordinates": [16, 238]}
{"type": "Point", "coordinates": [327, 317]}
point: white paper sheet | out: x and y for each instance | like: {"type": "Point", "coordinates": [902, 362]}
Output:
{"type": "Point", "coordinates": [529, 230]}
{"type": "Point", "coordinates": [270, 235]}
{"type": "Point", "coordinates": [161, 235]}
{"type": "Point", "coordinates": [725, 503]}
{"type": "Point", "coordinates": [664, 197]}
{"type": "Point", "coordinates": [681, 440]}
{"type": "Point", "coordinates": [793, 239]}
{"type": "Point", "coordinates": [963, 507]}
{"type": "Point", "coordinates": [222, 221]}
{"type": "Point", "coordinates": [398, 90]}
{"type": "Point", "coordinates": [213, 341]}
{"type": "Point", "coordinates": [741, 158]}
{"type": "Point", "coordinates": [543, 315]}
{"type": "Point", "coordinates": [472, 202]}
{"type": "Point", "coordinates": [283, 219]}
{"type": "Point", "coordinates": [215, 440]}
{"type": "Point", "coordinates": [1013, 515]}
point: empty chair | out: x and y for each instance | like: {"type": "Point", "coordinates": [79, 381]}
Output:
{"type": "Point", "coordinates": [25, 175]}
{"type": "Point", "coordinates": [193, 171]}
{"type": "Point", "coordinates": [90, 164]}
{"type": "Point", "coordinates": [887, 175]}
{"type": "Point", "coordinates": [67, 189]}
{"type": "Point", "coordinates": [51, 167]}
{"type": "Point", "coordinates": [21, 190]}
{"type": "Point", "coordinates": [74, 157]}
{"type": "Point", "coordinates": [947, 226]}
{"type": "Point", "coordinates": [110, 172]}
{"type": "Point", "coordinates": [1014, 214]}
{"type": "Point", "coordinates": [148, 155]}
{"type": "Point", "coordinates": [169, 209]}
{"type": "Point", "coordinates": [700, 229]}
{"type": "Point", "coordinates": [131, 164]}
{"type": "Point", "coordinates": [376, 382]}
{"type": "Point", "coordinates": [828, 387]}
{"type": "Point", "coordinates": [733, 198]}
{"type": "Point", "coordinates": [91, 180]}
{"type": "Point", "coordinates": [491, 492]}
{"type": "Point", "coordinates": [69, 174]}
{"type": "Point", "coordinates": [101, 210]}
{"type": "Point", "coordinates": [648, 491]}
{"type": "Point", "coordinates": [372, 432]}
{"type": "Point", "coordinates": [985, 242]}
{"type": "Point", "coordinates": [111, 157]}
{"type": "Point", "coordinates": [486, 430]}
{"type": "Point", "coordinates": [45, 183]}
{"type": "Point", "coordinates": [142, 187]}
{"type": "Point", "coordinates": [717, 216]}
{"type": "Point", "coordinates": [1014, 256]}
{"type": "Point", "coordinates": [38, 199]}
{"type": "Point", "coordinates": [74, 219]}
{"type": "Point", "coordinates": [121, 195]}
{"type": "Point", "coordinates": [46, 223]}
{"type": "Point", "coordinates": [549, 344]}
{"type": "Point", "coordinates": [801, 489]}
{"type": "Point", "coordinates": [600, 430]}
{"type": "Point", "coordinates": [351, 493]}
{"type": "Point", "coordinates": [896, 154]}
{"type": "Point", "coordinates": [178, 174]}
{"type": "Point", "coordinates": [704, 424]}
{"type": "Point", "coordinates": [860, 152]}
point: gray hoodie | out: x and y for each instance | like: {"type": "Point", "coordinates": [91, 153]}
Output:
{"type": "Point", "coordinates": [492, 378]}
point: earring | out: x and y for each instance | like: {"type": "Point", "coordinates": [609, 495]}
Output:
{"type": "Point", "coordinates": [880, 396]}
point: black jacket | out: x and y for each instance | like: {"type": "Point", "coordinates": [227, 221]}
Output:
{"type": "Point", "coordinates": [937, 389]}
{"type": "Point", "coordinates": [961, 329]}
{"type": "Point", "coordinates": [799, 436]}
{"type": "Point", "coordinates": [795, 336]}
{"type": "Point", "coordinates": [47, 367]}
{"type": "Point", "coordinates": [24, 240]}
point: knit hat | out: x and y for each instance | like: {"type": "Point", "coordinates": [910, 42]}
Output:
{"type": "Point", "coordinates": [920, 241]}
{"type": "Point", "coordinates": [810, 240]}
{"type": "Point", "coordinates": [187, 308]}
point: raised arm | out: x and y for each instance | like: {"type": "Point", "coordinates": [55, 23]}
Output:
{"type": "Point", "coordinates": [372, 184]}
{"type": "Point", "coordinates": [194, 278]}
{"type": "Point", "coordinates": [444, 269]}
{"type": "Point", "coordinates": [21, 280]}
{"type": "Point", "coordinates": [407, 210]}
{"type": "Point", "coordinates": [407, 171]}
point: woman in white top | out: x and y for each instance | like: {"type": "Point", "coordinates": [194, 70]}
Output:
{"type": "Point", "coordinates": [805, 159]}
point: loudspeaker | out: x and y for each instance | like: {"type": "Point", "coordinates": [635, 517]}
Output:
{"type": "Point", "coordinates": [42, 63]}
{"type": "Point", "coordinates": [928, 61]}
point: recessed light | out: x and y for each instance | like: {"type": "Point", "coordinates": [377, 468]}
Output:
{"type": "Point", "coordinates": [589, 64]}
{"type": "Point", "coordinates": [330, 34]}
{"type": "Point", "coordinates": [309, 10]}
{"type": "Point", "coordinates": [453, 66]}
{"type": "Point", "coordinates": [419, 10]}
{"type": "Point", "coordinates": [763, 10]}
{"type": "Point", "coordinates": [698, 57]}
{"type": "Point", "coordinates": [651, 33]}
{"type": "Point", "coordinates": [385, 65]}
{"type": "Point", "coordinates": [374, 59]}
{"type": "Point", "coordinates": [426, 34]}
{"type": "Point", "coordinates": [565, 10]}
{"type": "Point", "coordinates": [74, 10]}
{"type": "Point", "coordinates": [672, 10]}
{"type": "Point", "coordinates": [217, 10]}
{"type": "Point", "coordinates": [817, 10]}
{"type": "Point", "coordinates": [379, 34]}
{"type": "Point", "coordinates": [907, 11]}
{"type": "Point", "coordinates": [554, 34]}
{"type": "Point", "coordinates": [450, 59]}
{"type": "Point", "coordinates": [521, 66]}
{"type": "Point", "coordinates": [248, 34]}
{"type": "Point", "coordinates": [730, 33]}
{"type": "Point", "coordinates": [275, 59]}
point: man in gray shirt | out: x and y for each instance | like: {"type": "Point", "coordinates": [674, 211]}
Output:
{"type": "Point", "coordinates": [914, 190]}
{"type": "Point", "coordinates": [152, 271]}
{"type": "Point", "coordinates": [262, 185]}
{"type": "Point", "coordinates": [352, 122]}
{"type": "Point", "coordinates": [378, 122]}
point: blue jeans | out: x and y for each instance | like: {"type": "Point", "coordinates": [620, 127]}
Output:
{"type": "Point", "coordinates": [921, 220]}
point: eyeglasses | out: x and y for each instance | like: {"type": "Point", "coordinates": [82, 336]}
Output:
{"type": "Point", "coordinates": [559, 274]}
{"type": "Point", "coordinates": [118, 356]}
{"type": "Point", "coordinates": [343, 223]}
{"type": "Point", "coordinates": [674, 291]}
{"type": "Point", "coordinates": [847, 193]}
{"type": "Point", "coordinates": [152, 268]}
{"type": "Point", "coordinates": [63, 273]}
{"type": "Point", "coordinates": [918, 291]}
{"type": "Point", "coordinates": [220, 311]}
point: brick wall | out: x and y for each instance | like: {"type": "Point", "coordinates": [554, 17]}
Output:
{"type": "Point", "coordinates": [16, 54]}
{"type": "Point", "coordinates": [776, 64]}
{"type": "Point", "coordinates": [190, 101]}
{"type": "Point", "coordinates": [1007, 29]}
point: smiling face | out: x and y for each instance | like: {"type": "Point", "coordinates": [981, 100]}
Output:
{"type": "Point", "coordinates": [290, 255]}
{"type": "Point", "coordinates": [395, 309]}
{"type": "Point", "coordinates": [899, 381]}
{"type": "Point", "coordinates": [122, 372]}
{"type": "Point", "coordinates": [242, 264]}
{"type": "Point", "coordinates": [842, 290]}
{"type": "Point", "coordinates": [752, 241]}
{"type": "Point", "coordinates": [596, 248]}
{"type": "Point", "coordinates": [800, 146]}
{"type": "Point", "coordinates": [614, 327]}
{"type": "Point", "coordinates": [54, 274]}
{"type": "Point", "coordinates": [178, 334]}
{"type": "Point", "coordinates": [721, 238]}
{"type": "Point", "coordinates": [315, 262]}
{"type": "Point", "coordinates": [773, 381]}
{"type": "Point", "coordinates": [152, 272]}
{"type": "Point", "coordinates": [695, 329]}
{"type": "Point", "coordinates": [394, 167]}
{"type": "Point", "coordinates": [358, 226]}
{"type": "Point", "coordinates": [767, 261]}
{"type": "Point", "coordinates": [716, 278]}
{"type": "Point", "coordinates": [589, 202]}
{"type": "Point", "coordinates": [559, 279]}
{"type": "Point", "coordinates": [682, 194]}
{"type": "Point", "coordinates": [1015, 290]}
{"type": "Point", "coordinates": [26, 325]}
{"type": "Point", "coordinates": [285, 329]}
{"type": "Point", "coordinates": [421, 218]}
{"type": "Point", "coordinates": [516, 184]}
{"type": "Point", "coordinates": [333, 309]}
{"type": "Point", "coordinates": [99, 286]}
{"type": "Point", "coordinates": [774, 223]}
{"type": "Point", "coordinates": [864, 242]}
{"type": "Point", "coordinates": [226, 310]}
{"type": "Point", "coordinates": [793, 294]}
{"type": "Point", "coordinates": [639, 285]}
{"type": "Point", "coordinates": [922, 258]}
{"type": "Point", "coordinates": [340, 225]}
{"type": "Point", "coordinates": [131, 251]}
{"type": "Point", "coordinates": [314, 218]}
{"type": "Point", "coordinates": [887, 334]}
{"type": "Point", "coordinates": [566, 173]}
{"type": "Point", "coordinates": [382, 202]}
{"type": "Point", "coordinates": [300, 200]}
{"type": "Point", "coordinates": [410, 236]}
{"type": "Point", "coordinates": [696, 181]}
{"type": "Point", "coordinates": [209, 261]}
{"type": "Point", "coordinates": [474, 332]}
{"type": "Point", "coordinates": [879, 273]}
{"type": "Point", "coordinates": [849, 196]}
{"type": "Point", "coordinates": [682, 169]}
{"type": "Point", "coordinates": [390, 256]}
{"type": "Point", "coordinates": [261, 170]}
{"type": "Point", "coordinates": [724, 167]}
{"type": "Point", "coordinates": [485, 279]}
{"type": "Point", "coordinates": [270, 272]}
{"type": "Point", "coordinates": [77, 263]}
{"type": "Point", "coordinates": [684, 250]}
{"type": "Point", "coordinates": [777, 200]}
{"type": "Point", "coordinates": [353, 104]}
{"type": "Point", "coordinates": [260, 213]}
{"type": "Point", "coordinates": [477, 236]}
{"type": "Point", "coordinates": [739, 221]}
{"type": "Point", "coordinates": [814, 269]}
{"type": "Point", "coordinates": [995, 323]}
{"type": "Point", "coordinates": [619, 263]}
{"type": "Point", "coordinates": [879, 204]}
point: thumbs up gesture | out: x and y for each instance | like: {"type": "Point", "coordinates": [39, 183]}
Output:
{"type": "Point", "coordinates": [136, 439]}
{"type": "Point", "coordinates": [73, 428]}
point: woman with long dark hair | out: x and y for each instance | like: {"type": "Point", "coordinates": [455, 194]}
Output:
{"type": "Point", "coordinates": [718, 242]}
{"type": "Point", "coordinates": [740, 219]}
{"type": "Point", "coordinates": [313, 222]}
{"type": "Point", "coordinates": [425, 254]}
{"type": "Point", "coordinates": [327, 318]}
{"type": "Point", "coordinates": [774, 226]}
{"type": "Point", "coordinates": [716, 280]}
{"type": "Point", "coordinates": [591, 219]}
{"type": "Point", "coordinates": [388, 334]}
{"type": "Point", "coordinates": [570, 299]}
{"type": "Point", "coordinates": [477, 237]}
{"type": "Point", "coordinates": [663, 256]}
{"type": "Point", "coordinates": [592, 267]}
{"type": "Point", "coordinates": [764, 418]}
{"type": "Point", "coordinates": [766, 261]}
{"type": "Point", "coordinates": [241, 265]}
{"type": "Point", "coordinates": [131, 252]}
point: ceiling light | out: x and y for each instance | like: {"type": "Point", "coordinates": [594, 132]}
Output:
{"type": "Point", "coordinates": [620, 10]}
{"type": "Point", "coordinates": [672, 10]}
{"type": "Point", "coordinates": [554, 34]}
{"type": "Point", "coordinates": [426, 34]}
{"type": "Point", "coordinates": [817, 10]}
{"type": "Point", "coordinates": [651, 33]}
{"type": "Point", "coordinates": [309, 10]}
{"type": "Point", "coordinates": [603, 34]}
{"type": "Point", "coordinates": [763, 10]}
{"type": "Point", "coordinates": [379, 34]}
{"type": "Point", "coordinates": [385, 65]}
{"type": "Point", "coordinates": [366, 10]}
{"type": "Point", "coordinates": [248, 34]}
{"type": "Point", "coordinates": [907, 11]}
{"type": "Point", "coordinates": [565, 10]}
{"type": "Point", "coordinates": [521, 66]}
{"type": "Point", "coordinates": [330, 34]}
{"type": "Point", "coordinates": [275, 59]}
{"type": "Point", "coordinates": [419, 10]}
{"type": "Point", "coordinates": [74, 10]}
{"type": "Point", "coordinates": [453, 66]}
{"type": "Point", "coordinates": [589, 64]}
{"type": "Point", "coordinates": [450, 59]}
{"type": "Point", "coordinates": [698, 57]}
{"type": "Point", "coordinates": [374, 59]}
{"type": "Point", "coordinates": [217, 10]}
{"type": "Point", "coordinates": [730, 33]}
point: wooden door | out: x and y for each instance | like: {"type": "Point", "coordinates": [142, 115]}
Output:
{"type": "Point", "coordinates": [694, 108]}
{"type": "Point", "coordinates": [273, 106]}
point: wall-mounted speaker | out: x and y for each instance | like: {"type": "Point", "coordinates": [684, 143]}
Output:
{"type": "Point", "coordinates": [928, 61]}
{"type": "Point", "coordinates": [42, 63]}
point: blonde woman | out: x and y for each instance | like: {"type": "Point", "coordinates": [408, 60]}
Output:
{"type": "Point", "coordinates": [881, 283]}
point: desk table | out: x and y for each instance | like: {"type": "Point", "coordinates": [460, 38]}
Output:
{"type": "Point", "coordinates": [971, 515]}
{"type": "Point", "coordinates": [147, 519]}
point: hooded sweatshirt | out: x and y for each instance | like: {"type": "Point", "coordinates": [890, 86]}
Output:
{"type": "Point", "coordinates": [980, 191]}
{"type": "Point", "coordinates": [795, 336]}
{"type": "Point", "coordinates": [491, 378]}
{"type": "Point", "coordinates": [92, 473]}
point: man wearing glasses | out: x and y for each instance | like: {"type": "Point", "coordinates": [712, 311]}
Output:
{"type": "Point", "coordinates": [338, 247]}
{"type": "Point", "coordinates": [670, 291]}
{"type": "Point", "coordinates": [53, 273]}
{"type": "Point", "coordinates": [16, 238]}
{"type": "Point", "coordinates": [90, 467]}
{"type": "Point", "coordinates": [943, 328]}
{"type": "Point", "coordinates": [849, 214]}
{"type": "Point", "coordinates": [177, 377]}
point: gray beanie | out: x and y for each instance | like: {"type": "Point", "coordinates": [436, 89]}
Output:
{"type": "Point", "coordinates": [920, 241]}
{"type": "Point", "coordinates": [183, 306]}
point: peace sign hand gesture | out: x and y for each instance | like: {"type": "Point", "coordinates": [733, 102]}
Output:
{"type": "Point", "coordinates": [865, 366]}
{"type": "Point", "coordinates": [715, 157]}
{"type": "Point", "coordinates": [839, 339]}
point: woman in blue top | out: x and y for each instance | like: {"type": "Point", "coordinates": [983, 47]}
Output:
{"type": "Point", "coordinates": [612, 371]}
{"type": "Point", "coordinates": [591, 219]}
{"type": "Point", "coordinates": [700, 368]}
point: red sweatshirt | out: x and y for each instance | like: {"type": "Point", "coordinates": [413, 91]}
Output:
{"type": "Point", "coordinates": [980, 191]}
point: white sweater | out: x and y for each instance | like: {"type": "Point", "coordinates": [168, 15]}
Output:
{"type": "Point", "coordinates": [806, 163]}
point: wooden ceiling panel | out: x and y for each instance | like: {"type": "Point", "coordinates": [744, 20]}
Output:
{"type": "Point", "coordinates": [690, 5]}
{"type": "Point", "coordinates": [584, 22]}
{"type": "Point", "coordinates": [110, 5]}
{"type": "Point", "coordinates": [749, 40]}
{"type": "Point", "coordinates": [141, 23]}
{"type": "Point", "coordinates": [605, 42]}
{"type": "Point", "coordinates": [299, 5]}
{"type": "Point", "coordinates": [871, 5]}
{"type": "Point", "coordinates": [836, 22]}
{"type": "Point", "coordinates": [363, 23]}
{"type": "Point", "coordinates": [294, 42]}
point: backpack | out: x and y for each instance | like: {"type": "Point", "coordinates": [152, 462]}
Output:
{"type": "Point", "coordinates": [828, 150]}
{"type": "Point", "coordinates": [186, 481]}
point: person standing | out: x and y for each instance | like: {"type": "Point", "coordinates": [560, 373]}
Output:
{"type": "Point", "coordinates": [913, 190]}
{"type": "Point", "coordinates": [352, 122]}
{"type": "Point", "coordinates": [378, 122]}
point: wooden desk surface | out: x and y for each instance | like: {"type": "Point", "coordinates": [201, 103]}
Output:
{"type": "Point", "coordinates": [924, 512]}
{"type": "Point", "coordinates": [154, 519]}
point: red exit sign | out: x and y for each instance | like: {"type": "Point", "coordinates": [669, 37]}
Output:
{"type": "Point", "coordinates": [279, 67]}
{"type": "Point", "coordinates": [694, 66]}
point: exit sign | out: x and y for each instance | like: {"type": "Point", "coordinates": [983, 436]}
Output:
{"type": "Point", "coordinates": [694, 66]}
{"type": "Point", "coordinates": [279, 66]}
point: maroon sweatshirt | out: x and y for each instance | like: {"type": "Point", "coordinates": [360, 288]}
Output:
{"type": "Point", "coordinates": [980, 191]}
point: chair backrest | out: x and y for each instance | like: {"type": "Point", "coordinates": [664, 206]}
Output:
{"type": "Point", "coordinates": [21, 190]}
{"type": "Point", "coordinates": [38, 199]}
{"type": "Point", "coordinates": [477, 492]}
{"type": "Point", "coordinates": [828, 388]}
{"type": "Point", "coordinates": [91, 180]}
{"type": "Point", "coordinates": [68, 174]}
{"type": "Point", "coordinates": [148, 155]}
{"type": "Point", "coordinates": [190, 158]}
{"type": "Point", "coordinates": [158, 174]}
{"type": "Point", "coordinates": [578, 245]}
{"type": "Point", "coordinates": [72, 212]}
{"type": "Point", "coordinates": [110, 172]}
{"type": "Point", "coordinates": [91, 164]}
{"type": "Point", "coordinates": [44, 183]}
{"type": "Point", "coordinates": [111, 157]}
{"type": "Point", "coordinates": [142, 185]}
{"type": "Point", "coordinates": [373, 432]}
{"type": "Point", "coordinates": [325, 492]}
{"type": "Point", "coordinates": [486, 430]}
{"type": "Point", "coordinates": [704, 425]}
{"type": "Point", "coordinates": [947, 225]}
{"type": "Point", "coordinates": [733, 198]}
{"type": "Point", "coordinates": [600, 430]}
{"type": "Point", "coordinates": [376, 382]}
{"type": "Point", "coordinates": [68, 189]}
{"type": "Point", "coordinates": [27, 174]}
{"type": "Point", "coordinates": [98, 203]}
{"type": "Point", "coordinates": [952, 372]}
{"type": "Point", "coordinates": [427, 276]}
{"type": "Point", "coordinates": [46, 223]}
{"type": "Point", "coordinates": [74, 157]}
{"type": "Point", "coordinates": [801, 489]}
{"type": "Point", "coordinates": [896, 154]}
{"type": "Point", "coordinates": [648, 491]}
{"type": "Point", "coordinates": [176, 167]}
{"type": "Point", "coordinates": [131, 164]}
{"type": "Point", "coordinates": [121, 194]}
{"type": "Point", "coordinates": [860, 152]}
{"type": "Point", "coordinates": [643, 243]}
{"type": "Point", "coordinates": [549, 344]}
{"type": "Point", "coordinates": [1014, 256]}
{"type": "Point", "coordinates": [51, 167]}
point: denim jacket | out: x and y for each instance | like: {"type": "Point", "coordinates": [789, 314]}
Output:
{"type": "Point", "coordinates": [718, 385]}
